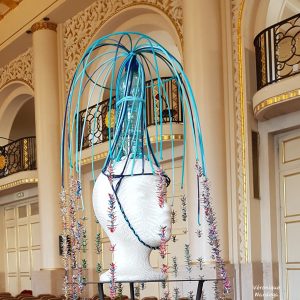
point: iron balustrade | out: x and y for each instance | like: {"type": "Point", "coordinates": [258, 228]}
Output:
{"type": "Point", "coordinates": [277, 50]}
{"type": "Point", "coordinates": [17, 156]}
{"type": "Point", "coordinates": [96, 127]}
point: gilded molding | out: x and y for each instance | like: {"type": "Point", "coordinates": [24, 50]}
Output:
{"type": "Point", "coordinates": [276, 99]}
{"type": "Point", "coordinates": [240, 133]}
{"type": "Point", "coordinates": [43, 25]}
{"type": "Point", "coordinates": [20, 68]}
{"type": "Point", "coordinates": [79, 30]}
{"type": "Point", "coordinates": [283, 150]}
{"type": "Point", "coordinates": [17, 182]}
{"type": "Point", "coordinates": [102, 155]}
{"type": "Point", "coordinates": [2, 162]}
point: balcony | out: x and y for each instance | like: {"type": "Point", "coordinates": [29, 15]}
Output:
{"type": "Point", "coordinates": [15, 158]}
{"type": "Point", "coordinates": [99, 112]}
{"type": "Point", "coordinates": [277, 50]}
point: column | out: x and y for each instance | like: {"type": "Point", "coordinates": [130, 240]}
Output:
{"type": "Point", "coordinates": [203, 64]}
{"type": "Point", "coordinates": [45, 65]}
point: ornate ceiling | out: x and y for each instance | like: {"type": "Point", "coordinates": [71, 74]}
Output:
{"type": "Point", "coordinates": [6, 6]}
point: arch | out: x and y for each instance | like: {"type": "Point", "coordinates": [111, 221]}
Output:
{"type": "Point", "coordinates": [106, 13]}
{"type": "Point", "coordinates": [24, 122]}
{"type": "Point", "coordinates": [268, 13]}
{"type": "Point", "coordinates": [147, 20]}
{"type": "Point", "coordinates": [18, 70]}
{"type": "Point", "coordinates": [14, 95]}
{"type": "Point", "coordinates": [259, 15]}
{"type": "Point", "coordinates": [140, 16]}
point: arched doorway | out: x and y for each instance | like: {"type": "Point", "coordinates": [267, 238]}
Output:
{"type": "Point", "coordinates": [17, 127]}
{"type": "Point", "coordinates": [13, 97]}
{"type": "Point", "coordinates": [24, 123]}
{"type": "Point", "coordinates": [20, 210]}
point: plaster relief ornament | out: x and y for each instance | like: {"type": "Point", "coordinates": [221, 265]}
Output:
{"type": "Point", "coordinates": [129, 194]}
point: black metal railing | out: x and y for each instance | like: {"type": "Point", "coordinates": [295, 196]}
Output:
{"type": "Point", "coordinates": [17, 156]}
{"type": "Point", "coordinates": [97, 118]}
{"type": "Point", "coordinates": [277, 50]}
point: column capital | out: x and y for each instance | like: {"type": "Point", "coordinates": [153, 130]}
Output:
{"type": "Point", "coordinates": [43, 25]}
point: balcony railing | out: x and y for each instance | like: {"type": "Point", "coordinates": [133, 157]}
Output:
{"type": "Point", "coordinates": [100, 133]}
{"type": "Point", "coordinates": [18, 156]}
{"type": "Point", "coordinates": [277, 50]}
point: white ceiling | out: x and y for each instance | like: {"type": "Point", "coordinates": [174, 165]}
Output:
{"type": "Point", "coordinates": [60, 14]}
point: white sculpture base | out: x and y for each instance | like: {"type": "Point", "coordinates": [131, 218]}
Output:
{"type": "Point", "coordinates": [133, 264]}
{"type": "Point", "coordinates": [139, 198]}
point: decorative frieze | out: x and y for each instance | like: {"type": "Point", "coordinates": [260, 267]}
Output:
{"type": "Point", "coordinates": [237, 7]}
{"type": "Point", "coordinates": [18, 69]}
{"type": "Point", "coordinates": [79, 30]}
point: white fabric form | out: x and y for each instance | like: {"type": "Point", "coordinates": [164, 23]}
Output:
{"type": "Point", "coordinates": [138, 196]}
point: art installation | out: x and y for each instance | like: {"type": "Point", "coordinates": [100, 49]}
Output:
{"type": "Point", "coordinates": [129, 195]}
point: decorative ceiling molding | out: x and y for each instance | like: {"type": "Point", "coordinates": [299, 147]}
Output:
{"type": "Point", "coordinates": [102, 155]}
{"type": "Point", "coordinates": [7, 6]}
{"type": "Point", "coordinates": [286, 96]}
{"type": "Point", "coordinates": [79, 30]}
{"type": "Point", "coordinates": [20, 69]}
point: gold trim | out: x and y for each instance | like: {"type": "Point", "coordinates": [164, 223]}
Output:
{"type": "Point", "coordinates": [283, 150]}
{"type": "Point", "coordinates": [17, 182]}
{"type": "Point", "coordinates": [166, 137]}
{"type": "Point", "coordinates": [286, 280]}
{"type": "Point", "coordinates": [284, 195]}
{"type": "Point", "coordinates": [88, 160]}
{"type": "Point", "coordinates": [276, 99]}
{"type": "Point", "coordinates": [2, 161]}
{"type": "Point", "coordinates": [286, 243]}
{"type": "Point", "coordinates": [263, 61]}
{"type": "Point", "coordinates": [286, 284]}
{"type": "Point", "coordinates": [43, 25]}
{"type": "Point", "coordinates": [25, 153]}
{"type": "Point", "coordinates": [110, 118]}
{"type": "Point", "coordinates": [243, 131]}
{"type": "Point", "coordinates": [102, 155]}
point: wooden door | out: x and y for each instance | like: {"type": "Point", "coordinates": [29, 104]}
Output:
{"type": "Point", "coordinates": [22, 244]}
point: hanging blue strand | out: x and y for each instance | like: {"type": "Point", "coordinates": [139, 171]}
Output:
{"type": "Point", "coordinates": [117, 66]}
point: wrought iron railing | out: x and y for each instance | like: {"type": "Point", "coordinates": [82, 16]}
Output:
{"type": "Point", "coordinates": [17, 156]}
{"type": "Point", "coordinates": [277, 50]}
{"type": "Point", "coordinates": [96, 131]}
